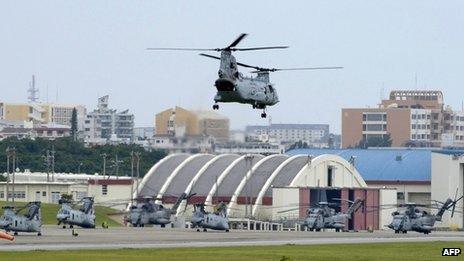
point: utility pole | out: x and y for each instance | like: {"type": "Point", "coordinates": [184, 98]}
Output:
{"type": "Point", "coordinates": [13, 155]}
{"type": "Point", "coordinates": [116, 164]}
{"type": "Point", "coordinates": [132, 178]}
{"type": "Point", "coordinates": [46, 159]}
{"type": "Point", "coordinates": [137, 157]}
{"type": "Point", "coordinates": [104, 155]}
{"type": "Point", "coordinates": [53, 163]}
{"type": "Point", "coordinates": [7, 174]}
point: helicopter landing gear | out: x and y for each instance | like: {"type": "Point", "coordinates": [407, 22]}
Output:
{"type": "Point", "coordinates": [64, 226]}
{"type": "Point", "coordinates": [71, 226]}
{"type": "Point", "coordinates": [204, 230]}
{"type": "Point", "coordinates": [263, 115]}
{"type": "Point", "coordinates": [227, 230]}
{"type": "Point", "coordinates": [198, 230]}
{"type": "Point", "coordinates": [15, 233]}
{"type": "Point", "coordinates": [163, 225]}
{"type": "Point", "coordinates": [39, 234]}
{"type": "Point", "coordinates": [337, 230]}
{"type": "Point", "coordinates": [215, 106]}
{"type": "Point", "coordinates": [397, 231]}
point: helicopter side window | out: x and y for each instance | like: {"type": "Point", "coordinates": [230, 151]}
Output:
{"type": "Point", "coordinates": [271, 90]}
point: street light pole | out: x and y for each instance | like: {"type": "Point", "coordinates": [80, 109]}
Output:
{"type": "Point", "coordinates": [14, 170]}
{"type": "Point", "coordinates": [137, 156]}
{"type": "Point", "coordinates": [104, 155]}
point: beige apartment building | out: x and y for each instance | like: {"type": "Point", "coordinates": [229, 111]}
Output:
{"type": "Point", "coordinates": [180, 122]}
{"type": "Point", "coordinates": [411, 118]}
{"type": "Point", "coordinates": [40, 113]}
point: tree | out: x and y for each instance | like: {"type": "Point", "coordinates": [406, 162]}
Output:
{"type": "Point", "coordinates": [74, 124]}
{"type": "Point", "coordinates": [376, 141]}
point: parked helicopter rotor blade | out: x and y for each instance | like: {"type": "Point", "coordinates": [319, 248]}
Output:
{"type": "Point", "coordinates": [183, 49]}
{"type": "Point", "coordinates": [236, 41]}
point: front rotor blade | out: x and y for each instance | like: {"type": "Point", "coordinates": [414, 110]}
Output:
{"type": "Point", "coordinates": [210, 56]}
{"type": "Point", "coordinates": [258, 48]}
{"type": "Point", "coordinates": [238, 40]}
{"type": "Point", "coordinates": [183, 49]}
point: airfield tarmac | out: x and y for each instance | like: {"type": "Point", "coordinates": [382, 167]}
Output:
{"type": "Point", "coordinates": [55, 238]}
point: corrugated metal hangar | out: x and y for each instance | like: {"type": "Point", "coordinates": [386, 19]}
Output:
{"type": "Point", "coordinates": [260, 187]}
{"type": "Point", "coordinates": [264, 187]}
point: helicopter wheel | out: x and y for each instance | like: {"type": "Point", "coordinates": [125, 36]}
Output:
{"type": "Point", "coordinates": [263, 115]}
{"type": "Point", "coordinates": [71, 226]}
{"type": "Point", "coordinates": [216, 107]}
{"type": "Point", "coordinates": [39, 234]}
{"type": "Point", "coordinates": [204, 230]}
{"type": "Point", "coordinates": [227, 230]}
{"type": "Point", "coordinates": [64, 226]}
{"type": "Point", "coordinates": [163, 225]}
{"type": "Point", "coordinates": [15, 233]}
{"type": "Point", "coordinates": [198, 230]}
{"type": "Point", "coordinates": [337, 230]}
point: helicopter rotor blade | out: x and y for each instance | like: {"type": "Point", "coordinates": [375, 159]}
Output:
{"type": "Point", "coordinates": [210, 56]}
{"type": "Point", "coordinates": [296, 69]}
{"type": "Point", "coordinates": [259, 48]}
{"type": "Point", "coordinates": [236, 41]}
{"type": "Point", "coordinates": [182, 49]}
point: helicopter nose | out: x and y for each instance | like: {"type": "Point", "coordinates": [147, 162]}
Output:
{"type": "Point", "coordinates": [4, 223]}
{"type": "Point", "coordinates": [62, 216]}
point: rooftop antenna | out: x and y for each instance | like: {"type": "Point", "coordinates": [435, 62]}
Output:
{"type": "Point", "coordinates": [33, 91]}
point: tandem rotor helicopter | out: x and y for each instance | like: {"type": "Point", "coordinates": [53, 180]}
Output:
{"type": "Point", "coordinates": [233, 87]}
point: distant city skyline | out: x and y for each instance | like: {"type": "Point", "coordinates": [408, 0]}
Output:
{"type": "Point", "coordinates": [83, 50]}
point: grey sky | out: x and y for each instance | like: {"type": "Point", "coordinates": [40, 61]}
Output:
{"type": "Point", "coordinates": [90, 48]}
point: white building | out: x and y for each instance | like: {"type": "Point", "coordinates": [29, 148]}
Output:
{"type": "Point", "coordinates": [112, 191]}
{"type": "Point", "coordinates": [290, 133]}
{"type": "Point", "coordinates": [103, 122]}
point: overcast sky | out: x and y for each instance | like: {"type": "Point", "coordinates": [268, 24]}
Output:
{"type": "Point", "coordinates": [80, 50]}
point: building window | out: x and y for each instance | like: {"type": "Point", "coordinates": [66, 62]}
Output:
{"type": "Point", "coordinates": [400, 195]}
{"type": "Point", "coordinates": [2, 194]}
{"type": "Point", "coordinates": [104, 189]}
{"type": "Point", "coordinates": [413, 116]}
{"type": "Point", "coordinates": [56, 197]}
{"type": "Point", "coordinates": [44, 193]}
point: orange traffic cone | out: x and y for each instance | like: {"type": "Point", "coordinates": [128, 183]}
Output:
{"type": "Point", "coordinates": [6, 236]}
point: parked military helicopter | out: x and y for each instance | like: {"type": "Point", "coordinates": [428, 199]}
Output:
{"type": "Point", "coordinates": [413, 219]}
{"type": "Point", "coordinates": [83, 217]}
{"type": "Point", "coordinates": [31, 222]}
{"type": "Point", "coordinates": [322, 216]}
{"type": "Point", "coordinates": [150, 213]}
{"type": "Point", "coordinates": [217, 220]}
{"type": "Point", "coordinates": [232, 86]}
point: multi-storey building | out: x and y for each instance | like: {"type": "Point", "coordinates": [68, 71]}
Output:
{"type": "Point", "coordinates": [22, 112]}
{"type": "Point", "coordinates": [290, 133]}
{"type": "Point", "coordinates": [180, 122]}
{"type": "Point", "coordinates": [103, 123]}
{"type": "Point", "coordinates": [410, 118]}
{"type": "Point", "coordinates": [42, 113]}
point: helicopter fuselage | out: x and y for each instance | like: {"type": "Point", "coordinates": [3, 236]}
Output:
{"type": "Point", "coordinates": [254, 91]}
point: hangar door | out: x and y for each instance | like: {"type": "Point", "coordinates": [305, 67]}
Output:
{"type": "Point", "coordinates": [419, 197]}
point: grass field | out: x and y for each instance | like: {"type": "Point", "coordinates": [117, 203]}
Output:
{"type": "Point", "coordinates": [380, 251]}
{"type": "Point", "coordinates": [49, 211]}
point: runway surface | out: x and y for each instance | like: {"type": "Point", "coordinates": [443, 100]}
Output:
{"type": "Point", "coordinates": [54, 238]}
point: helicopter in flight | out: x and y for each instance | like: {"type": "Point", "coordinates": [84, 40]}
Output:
{"type": "Point", "coordinates": [233, 87]}
{"type": "Point", "coordinates": [217, 220]}
{"type": "Point", "coordinates": [82, 217]}
{"type": "Point", "coordinates": [31, 222]}
{"type": "Point", "coordinates": [414, 219]}
{"type": "Point", "coordinates": [150, 213]}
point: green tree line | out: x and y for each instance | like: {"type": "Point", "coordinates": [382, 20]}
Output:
{"type": "Point", "coordinates": [70, 156]}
